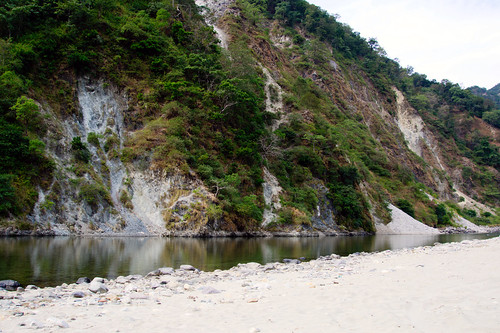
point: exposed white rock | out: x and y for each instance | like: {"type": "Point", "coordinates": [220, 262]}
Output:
{"type": "Point", "coordinates": [274, 99]}
{"type": "Point", "coordinates": [413, 128]}
{"type": "Point", "coordinates": [404, 224]}
{"type": "Point", "coordinates": [464, 223]}
{"type": "Point", "coordinates": [281, 41]}
{"type": "Point", "coordinates": [470, 203]}
{"type": "Point", "coordinates": [212, 11]}
{"type": "Point", "coordinates": [272, 191]}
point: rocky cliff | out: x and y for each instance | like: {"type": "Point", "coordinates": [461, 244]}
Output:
{"type": "Point", "coordinates": [230, 117]}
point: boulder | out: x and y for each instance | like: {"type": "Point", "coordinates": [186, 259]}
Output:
{"type": "Point", "coordinates": [187, 268]}
{"type": "Point", "coordinates": [10, 285]}
{"type": "Point", "coordinates": [98, 287]}
{"type": "Point", "coordinates": [161, 271]}
{"type": "Point", "coordinates": [98, 279]}
{"type": "Point", "coordinates": [83, 280]}
{"type": "Point", "coordinates": [291, 261]}
{"type": "Point", "coordinates": [166, 270]}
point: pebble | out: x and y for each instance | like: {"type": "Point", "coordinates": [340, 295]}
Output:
{"type": "Point", "coordinates": [57, 322]}
{"type": "Point", "coordinates": [33, 324]}
{"type": "Point", "coordinates": [138, 296]}
{"type": "Point", "coordinates": [78, 294]}
{"type": "Point", "coordinates": [208, 290]}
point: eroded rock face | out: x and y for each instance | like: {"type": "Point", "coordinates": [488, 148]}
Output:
{"type": "Point", "coordinates": [106, 195]}
{"type": "Point", "coordinates": [213, 12]}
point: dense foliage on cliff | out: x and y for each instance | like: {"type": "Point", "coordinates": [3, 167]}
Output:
{"type": "Point", "coordinates": [195, 108]}
{"type": "Point", "coordinates": [170, 62]}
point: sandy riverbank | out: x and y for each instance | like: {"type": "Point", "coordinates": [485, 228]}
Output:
{"type": "Point", "coordinates": [447, 288]}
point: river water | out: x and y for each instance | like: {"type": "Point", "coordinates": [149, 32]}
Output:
{"type": "Point", "coordinates": [52, 261]}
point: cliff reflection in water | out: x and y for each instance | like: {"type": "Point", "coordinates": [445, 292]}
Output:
{"type": "Point", "coordinates": [53, 261]}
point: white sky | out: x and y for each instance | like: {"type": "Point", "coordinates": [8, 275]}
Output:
{"type": "Point", "coordinates": [457, 40]}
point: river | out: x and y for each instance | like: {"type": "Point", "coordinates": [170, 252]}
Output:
{"type": "Point", "coordinates": [51, 261]}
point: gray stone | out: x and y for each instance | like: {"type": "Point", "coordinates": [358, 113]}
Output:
{"type": "Point", "coordinates": [10, 285]}
{"type": "Point", "coordinates": [166, 270]}
{"type": "Point", "coordinates": [161, 271]}
{"type": "Point", "coordinates": [31, 287]}
{"type": "Point", "coordinates": [291, 261]}
{"type": "Point", "coordinates": [138, 296]}
{"type": "Point", "coordinates": [97, 279]}
{"type": "Point", "coordinates": [98, 287]}
{"type": "Point", "coordinates": [187, 268]}
{"type": "Point", "coordinates": [78, 294]}
{"type": "Point", "coordinates": [153, 273]}
{"type": "Point", "coordinates": [269, 267]}
{"type": "Point", "coordinates": [121, 280]}
{"type": "Point", "coordinates": [130, 287]}
{"type": "Point", "coordinates": [33, 324]}
{"type": "Point", "coordinates": [83, 280]}
{"type": "Point", "coordinates": [208, 290]}
{"type": "Point", "coordinates": [57, 322]}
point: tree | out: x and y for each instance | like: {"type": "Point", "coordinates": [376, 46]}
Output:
{"type": "Point", "coordinates": [27, 112]}
{"type": "Point", "coordinates": [443, 217]}
{"type": "Point", "coordinates": [492, 118]}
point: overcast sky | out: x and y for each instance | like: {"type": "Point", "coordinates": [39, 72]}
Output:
{"type": "Point", "coordinates": [456, 40]}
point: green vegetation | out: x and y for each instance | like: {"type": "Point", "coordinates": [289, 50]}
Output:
{"type": "Point", "coordinates": [196, 109]}
{"type": "Point", "coordinates": [406, 207]}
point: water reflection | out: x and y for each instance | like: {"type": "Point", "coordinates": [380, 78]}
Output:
{"type": "Point", "coordinates": [52, 261]}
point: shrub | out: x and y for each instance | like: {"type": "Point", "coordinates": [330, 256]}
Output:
{"type": "Point", "coordinates": [248, 208]}
{"type": "Point", "coordinates": [94, 193]}
{"type": "Point", "coordinates": [93, 139]}
{"type": "Point", "coordinates": [7, 193]}
{"type": "Point", "coordinates": [470, 212]}
{"type": "Point", "coordinates": [443, 216]}
{"type": "Point", "coordinates": [80, 150]}
{"type": "Point", "coordinates": [406, 207]}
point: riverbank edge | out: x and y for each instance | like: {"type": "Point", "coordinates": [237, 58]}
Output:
{"type": "Point", "coordinates": [12, 232]}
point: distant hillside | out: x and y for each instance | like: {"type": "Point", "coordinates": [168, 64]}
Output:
{"type": "Point", "coordinates": [492, 94]}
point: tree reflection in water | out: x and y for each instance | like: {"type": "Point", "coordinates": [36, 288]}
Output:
{"type": "Point", "coordinates": [55, 260]}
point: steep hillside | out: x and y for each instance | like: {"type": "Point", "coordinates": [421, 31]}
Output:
{"type": "Point", "coordinates": [173, 117]}
{"type": "Point", "coordinates": [492, 94]}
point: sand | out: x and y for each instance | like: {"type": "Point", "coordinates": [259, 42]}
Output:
{"type": "Point", "coordinates": [451, 287]}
